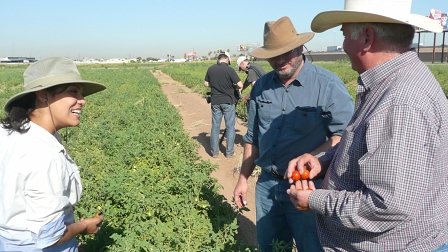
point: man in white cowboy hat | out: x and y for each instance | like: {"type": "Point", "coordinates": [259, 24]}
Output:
{"type": "Point", "coordinates": [294, 109]}
{"type": "Point", "coordinates": [223, 82]}
{"type": "Point", "coordinates": [386, 186]}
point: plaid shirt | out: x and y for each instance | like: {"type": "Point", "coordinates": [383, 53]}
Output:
{"type": "Point", "coordinates": [386, 188]}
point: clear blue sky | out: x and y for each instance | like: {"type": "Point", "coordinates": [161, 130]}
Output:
{"type": "Point", "coordinates": [153, 28]}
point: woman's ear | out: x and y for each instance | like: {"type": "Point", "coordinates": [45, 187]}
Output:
{"type": "Point", "coordinates": [42, 96]}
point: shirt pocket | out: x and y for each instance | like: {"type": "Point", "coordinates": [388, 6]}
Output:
{"type": "Point", "coordinates": [264, 107]}
{"type": "Point", "coordinates": [306, 119]}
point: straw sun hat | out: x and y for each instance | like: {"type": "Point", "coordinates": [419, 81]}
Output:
{"type": "Point", "coordinates": [280, 37]}
{"type": "Point", "coordinates": [50, 72]}
{"type": "Point", "coordinates": [373, 11]}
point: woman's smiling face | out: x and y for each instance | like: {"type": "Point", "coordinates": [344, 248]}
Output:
{"type": "Point", "coordinates": [66, 105]}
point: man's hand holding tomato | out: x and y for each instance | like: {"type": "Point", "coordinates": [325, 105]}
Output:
{"type": "Point", "coordinates": [302, 186]}
{"type": "Point", "coordinates": [301, 163]}
{"type": "Point", "coordinates": [299, 194]}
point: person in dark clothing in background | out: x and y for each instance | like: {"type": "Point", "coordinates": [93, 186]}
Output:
{"type": "Point", "coordinates": [223, 80]}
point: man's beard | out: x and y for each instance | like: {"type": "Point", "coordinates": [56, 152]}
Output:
{"type": "Point", "coordinates": [289, 73]}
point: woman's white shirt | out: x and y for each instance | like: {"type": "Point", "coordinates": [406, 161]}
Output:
{"type": "Point", "coordinates": [39, 182]}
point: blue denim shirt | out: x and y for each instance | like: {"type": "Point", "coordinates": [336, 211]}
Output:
{"type": "Point", "coordinates": [285, 122]}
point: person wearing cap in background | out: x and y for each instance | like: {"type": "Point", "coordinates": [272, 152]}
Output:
{"type": "Point", "coordinates": [386, 183]}
{"type": "Point", "coordinates": [253, 71]}
{"type": "Point", "coordinates": [223, 80]}
{"type": "Point", "coordinates": [39, 182]}
{"type": "Point", "coordinates": [294, 109]}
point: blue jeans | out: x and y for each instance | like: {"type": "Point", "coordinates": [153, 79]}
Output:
{"type": "Point", "coordinates": [218, 111]}
{"type": "Point", "coordinates": [279, 220]}
{"type": "Point", "coordinates": [443, 248]}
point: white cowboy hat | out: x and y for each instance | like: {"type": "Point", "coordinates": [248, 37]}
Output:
{"type": "Point", "coordinates": [50, 72]}
{"type": "Point", "coordinates": [280, 37]}
{"type": "Point", "coordinates": [374, 11]}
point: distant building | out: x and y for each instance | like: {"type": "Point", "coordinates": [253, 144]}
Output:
{"type": "Point", "coordinates": [18, 60]}
{"type": "Point", "coordinates": [334, 48]}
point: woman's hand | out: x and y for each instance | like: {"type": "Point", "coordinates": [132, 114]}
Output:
{"type": "Point", "coordinates": [93, 225]}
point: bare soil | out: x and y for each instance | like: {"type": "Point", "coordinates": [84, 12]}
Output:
{"type": "Point", "coordinates": [196, 115]}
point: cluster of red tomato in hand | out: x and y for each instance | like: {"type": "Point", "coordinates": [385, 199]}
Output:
{"type": "Point", "coordinates": [296, 176]}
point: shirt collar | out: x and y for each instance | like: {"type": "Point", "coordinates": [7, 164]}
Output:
{"type": "Point", "coordinates": [40, 133]}
{"type": "Point", "coordinates": [375, 76]}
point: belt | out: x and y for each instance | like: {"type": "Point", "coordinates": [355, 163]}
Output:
{"type": "Point", "coordinates": [277, 176]}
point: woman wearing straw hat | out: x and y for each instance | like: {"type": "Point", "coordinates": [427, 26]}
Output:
{"type": "Point", "coordinates": [39, 182]}
{"type": "Point", "coordinates": [386, 183]}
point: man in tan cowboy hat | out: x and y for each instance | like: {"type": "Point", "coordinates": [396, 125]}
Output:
{"type": "Point", "coordinates": [294, 109]}
{"type": "Point", "coordinates": [386, 183]}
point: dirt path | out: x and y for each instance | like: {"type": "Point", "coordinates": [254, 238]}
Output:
{"type": "Point", "coordinates": [197, 120]}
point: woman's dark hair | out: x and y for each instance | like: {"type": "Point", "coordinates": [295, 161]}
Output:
{"type": "Point", "coordinates": [19, 114]}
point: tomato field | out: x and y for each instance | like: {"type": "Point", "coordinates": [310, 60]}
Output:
{"type": "Point", "coordinates": [141, 169]}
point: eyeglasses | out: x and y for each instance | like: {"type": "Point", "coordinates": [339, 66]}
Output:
{"type": "Point", "coordinates": [286, 55]}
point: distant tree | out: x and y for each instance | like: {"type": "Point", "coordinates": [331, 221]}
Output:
{"type": "Point", "coordinates": [139, 59]}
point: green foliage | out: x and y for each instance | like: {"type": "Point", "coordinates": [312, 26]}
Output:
{"type": "Point", "coordinates": [193, 76]}
{"type": "Point", "coordinates": [440, 71]}
{"type": "Point", "coordinates": [142, 170]}
{"type": "Point", "coordinates": [344, 70]}
{"type": "Point", "coordinates": [11, 82]}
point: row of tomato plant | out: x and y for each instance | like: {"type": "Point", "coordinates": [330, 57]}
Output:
{"type": "Point", "coordinates": [192, 74]}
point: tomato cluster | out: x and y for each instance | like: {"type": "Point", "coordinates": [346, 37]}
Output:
{"type": "Point", "coordinates": [296, 175]}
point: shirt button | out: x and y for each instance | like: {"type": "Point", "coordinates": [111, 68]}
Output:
{"type": "Point", "coordinates": [284, 109]}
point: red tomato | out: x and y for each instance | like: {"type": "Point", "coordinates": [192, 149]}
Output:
{"type": "Point", "coordinates": [305, 174]}
{"type": "Point", "coordinates": [295, 175]}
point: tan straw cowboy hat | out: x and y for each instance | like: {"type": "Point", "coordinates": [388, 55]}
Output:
{"type": "Point", "coordinates": [50, 72]}
{"type": "Point", "coordinates": [373, 11]}
{"type": "Point", "coordinates": [280, 37]}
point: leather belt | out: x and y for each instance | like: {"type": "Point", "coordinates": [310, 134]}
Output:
{"type": "Point", "coordinates": [277, 176]}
